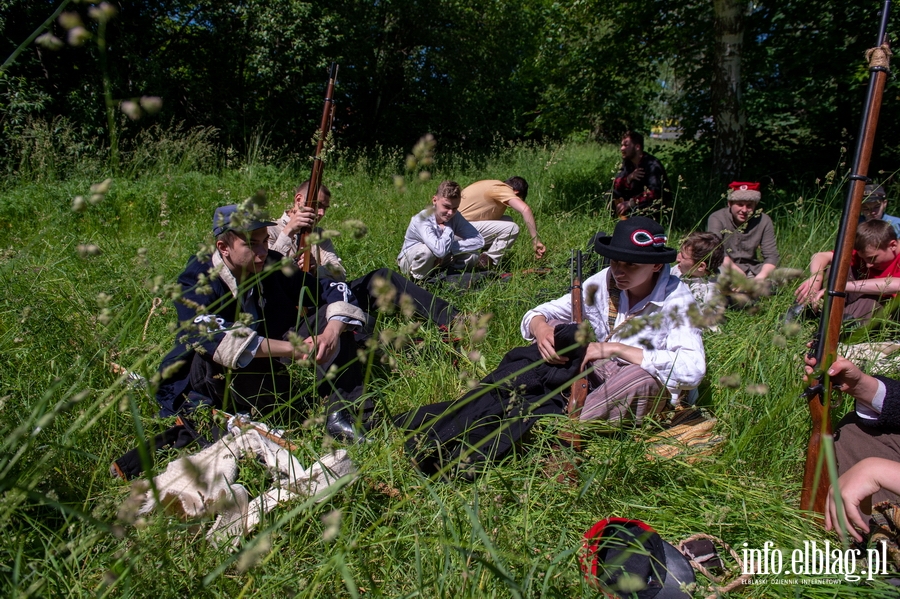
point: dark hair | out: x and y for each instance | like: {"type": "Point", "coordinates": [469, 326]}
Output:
{"type": "Point", "coordinates": [230, 236]}
{"type": "Point", "coordinates": [449, 189]}
{"type": "Point", "coordinates": [635, 137]}
{"type": "Point", "coordinates": [304, 187]}
{"type": "Point", "coordinates": [874, 234]}
{"type": "Point", "coordinates": [705, 247]}
{"type": "Point", "coordinates": [519, 185]}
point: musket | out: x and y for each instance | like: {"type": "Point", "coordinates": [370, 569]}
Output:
{"type": "Point", "coordinates": [579, 390]}
{"type": "Point", "coordinates": [815, 477]}
{"type": "Point", "coordinates": [315, 179]}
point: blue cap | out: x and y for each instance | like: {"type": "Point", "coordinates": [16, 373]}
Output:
{"type": "Point", "coordinates": [224, 214]}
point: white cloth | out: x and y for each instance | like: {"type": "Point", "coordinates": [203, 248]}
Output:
{"type": "Point", "coordinates": [204, 484]}
{"type": "Point", "coordinates": [425, 241]}
{"type": "Point", "coordinates": [673, 346]}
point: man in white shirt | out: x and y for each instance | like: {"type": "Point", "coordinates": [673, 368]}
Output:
{"type": "Point", "coordinates": [440, 237]}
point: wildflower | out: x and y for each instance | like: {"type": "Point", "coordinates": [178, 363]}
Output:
{"type": "Point", "coordinates": [49, 41]}
{"type": "Point", "coordinates": [151, 104]}
{"type": "Point", "coordinates": [131, 109]}
{"type": "Point", "coordinates": [78, 35]}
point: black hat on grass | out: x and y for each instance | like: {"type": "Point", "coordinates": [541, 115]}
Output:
{"type": "Point", "coordinates": [626, 558]}
{"type": "Point", "coordinates": [639, 240]}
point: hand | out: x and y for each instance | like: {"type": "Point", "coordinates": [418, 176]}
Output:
{"type": "Point", "coordinates": [809, 290]}
{"type": "Point", "coordinates": [543, 337]}
{"type": "Point", "coordinates": [622, 208]}
{"type": "Point", "coordinates": [539, 249]}
{"type": "Point", "coordinates": [301, 218]}
{"type": "Point", "coordinates": [855, 485]}
{"type": "Point", "coordinates": [847, 377]}
{"type": "Point", "coordinates": [635, 175]}
{"type": "Point", "coordinates": [326, 343]}
{"type": "Point", "coordinates": [598, 350]}
{"type": "Point", "coordinates": [301, 261]}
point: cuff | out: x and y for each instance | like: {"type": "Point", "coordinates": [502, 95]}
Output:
{"type": "Point", "coordinates": [237, 348]}
{"type": "Point", "coordinates": [345, 312]}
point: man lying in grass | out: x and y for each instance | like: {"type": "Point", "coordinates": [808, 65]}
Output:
{"type": "Point", "coordinates": [239, 309]}
{"type": "Point", "coordinates": [647, 353]}
{"type": "Point", "coordinates": [371, 289]}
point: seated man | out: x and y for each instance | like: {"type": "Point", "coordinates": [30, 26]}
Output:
{"type": "Point", "coordinates": [874, 276]}
{"type": "Point", "coordinates": [699, 259]}
{"type": "Point", "coordinates": [744, 231]}
{"type": "Point", "coordinates": [440, 237]}
{"type": "Point", "coordinates": [872, 430]}
{"type": "Point", "coordinates": [648, 354]}
{"type": "Point", "coordinates": [641, 187]}
{"type": "Point", "coordinates": [874, 205]}
{"type": "Point", "coordinates": [283, 238]}
{"type": "Point", "coordinates": [484, 204]}
{"type": "Point", "coordinates": [243, 317]}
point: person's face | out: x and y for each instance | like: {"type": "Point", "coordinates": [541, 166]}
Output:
{"type": "Point", "coordinates": [628, 149]}
{"type": "Point", "coordinates": [874, 209]}
{"type": "Point", "coordinates": [688, 266]}
{"type": "Point", "coordinates": [879, 259]}
{"type": "Point", "coordinates": [322, 206]}
{"type": "Point", "coordinates": [629, 275]}
{"type": "Point", "coordinates": [444, 208]}
{"type": "Point", "coordinates": [742, 210]}
{"type": "Point", "coordinates": [246, 255]}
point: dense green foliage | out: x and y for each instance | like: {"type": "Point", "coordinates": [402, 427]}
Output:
{"type": "Point", "coordinates": [468, 71]}
{"type": "Point", "coordinates": [67, 312]}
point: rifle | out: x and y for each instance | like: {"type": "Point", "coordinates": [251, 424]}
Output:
{"type": "Point", "coordinates": [815, 477]}
{"type": "Point", "coordinates": [579, 390]}
{"type": "Point", "coordinates": [315, 179]}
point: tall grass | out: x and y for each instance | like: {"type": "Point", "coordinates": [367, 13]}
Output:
{"type": "Point", "coordinates": [512, 533]}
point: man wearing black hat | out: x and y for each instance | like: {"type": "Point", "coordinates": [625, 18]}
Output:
{"type": "Point", "coordinates": [647, 350]}
{"type": "Point", "coordinates": [243, 317]}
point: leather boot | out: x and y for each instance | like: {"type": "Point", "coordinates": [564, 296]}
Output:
{"type": "Point", "coordinates": [343, 428]}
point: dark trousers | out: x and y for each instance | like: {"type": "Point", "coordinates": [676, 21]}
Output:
{"type": "Point", "coordinates": [426, 304]}
{"type": "Point", "coordinates": [264, 386]}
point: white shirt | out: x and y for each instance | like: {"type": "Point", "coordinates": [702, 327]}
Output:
{"type": "Point", "coordinates": [673, 346]}
{"type": "Point", "coordinates": [457, 236]}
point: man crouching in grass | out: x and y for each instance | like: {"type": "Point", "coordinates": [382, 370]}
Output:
{"type": "Point", "coordinates": [647, 353]}
{"type": "Point", "coordinates": [243, 319]}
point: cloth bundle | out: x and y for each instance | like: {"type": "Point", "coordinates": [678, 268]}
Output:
{"type": "Point", "coordinates": [204, 484]}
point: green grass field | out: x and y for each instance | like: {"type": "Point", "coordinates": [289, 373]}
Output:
{"type": "Point", "coordinates": [78, 292]}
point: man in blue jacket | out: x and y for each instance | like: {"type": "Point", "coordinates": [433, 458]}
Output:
{"type": "Point", "coordinates": [243, 318]}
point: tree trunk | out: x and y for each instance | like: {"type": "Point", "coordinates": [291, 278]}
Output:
{"type": "Point", "coordinates": [728, 117]}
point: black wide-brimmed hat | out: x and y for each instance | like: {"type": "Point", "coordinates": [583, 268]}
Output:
{"type": "Point", "coordinates": [626, 558]}
{"type": "Point", "coordinates": [639, 239]}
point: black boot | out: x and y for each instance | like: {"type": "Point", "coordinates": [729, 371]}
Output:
{"type": "Point", "coordinates": [343, 428]}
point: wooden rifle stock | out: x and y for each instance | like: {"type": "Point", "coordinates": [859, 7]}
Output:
{"type": "Point", "coordinates": [579, 390]}
{"type": "Point", "coordinates": [315, 179]}
{"type": "Point", "coordinates": [815, 477]}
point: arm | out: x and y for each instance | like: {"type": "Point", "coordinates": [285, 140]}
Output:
{"type": "Point", "coordinates": [283, 236]}
{"type": "Point", "coordinates": [612, 349]}
{"type": "Point", "coordinates": [651, 179]}
{"type": "Point", "coordinates": [525, 210]}
{"type": "Point", "coordinates": [858, 483]}
{"type": "Point", "coordinates": [672, 346]}
{"type": "Point", "coordinates": [885, 286]}
{"type": "Point", "coordinates": [808, 291]}
{"type": "Point", "coordinates": [768, 248]}
{"type": "Point", "coordinates": [327, 258]}
{"type": "Point", "coordinates": [424, 229]}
